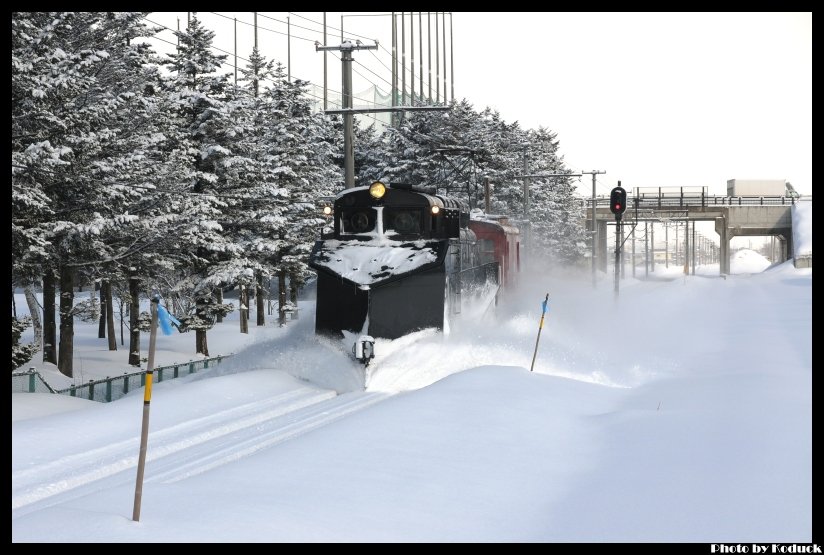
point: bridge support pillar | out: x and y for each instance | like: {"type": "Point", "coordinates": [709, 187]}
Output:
{"type": "Point", "coordinates": [784, 248]}
{"type": "Point", "coordinates": [724, 237]}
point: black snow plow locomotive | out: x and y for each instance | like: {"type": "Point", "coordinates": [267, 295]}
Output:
{"type": "Point", "coordinates": [398, 260]}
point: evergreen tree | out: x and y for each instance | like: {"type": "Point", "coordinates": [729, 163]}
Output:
{"type": "Point", "coordinates": [77, 89]}
{"type": "Point", "coordinates": [20, 354]}
{"type": "Point", "coordinates": [302, 163]}
{"type": "Point", "coordinates": [199, 156]}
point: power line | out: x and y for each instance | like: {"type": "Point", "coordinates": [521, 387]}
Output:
{"type": "Point", "coordinates": [412, 68]}
{"type": "Point", "coordinates": [267, 29]}
{"type": "Point", "coordinates": [314, 40]}
{"type": "Point", "coordinates": [380, 46]}
{"type": "Point", "coordinates": [246, 60]}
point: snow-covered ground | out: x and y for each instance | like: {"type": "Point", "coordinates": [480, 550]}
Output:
{"type": "Point", "coordinates": [679, 411]}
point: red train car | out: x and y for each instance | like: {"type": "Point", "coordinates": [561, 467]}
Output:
{"type": "Point", "coordinates": [500, 242]}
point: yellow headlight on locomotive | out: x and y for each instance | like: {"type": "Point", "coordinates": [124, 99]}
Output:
{"type": "Point", "coordinates": [327, 210]}
{"type": "Point", "coordinates": [435, 210]}
{"type": "Point", "coordinates": [377, 190]}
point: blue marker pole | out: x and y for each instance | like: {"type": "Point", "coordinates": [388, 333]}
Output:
{"type": "Point", "coordinates": [540, 327]}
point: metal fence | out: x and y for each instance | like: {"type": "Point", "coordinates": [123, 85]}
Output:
{"type": "Point", "coordinates": [110, 389]}
{"type": "Point", "coordinates": [29, 381]}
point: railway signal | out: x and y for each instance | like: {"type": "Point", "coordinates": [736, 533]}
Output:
{"type": "Point", "coordinates": [617, 205]}
{"type": "Point", "coordinates": [618, 201]}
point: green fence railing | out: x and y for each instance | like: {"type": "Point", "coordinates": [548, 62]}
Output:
{"type": "Point", "coordinates": [29, 381]}
{"type": "Point", "coordinates": [110, 389]}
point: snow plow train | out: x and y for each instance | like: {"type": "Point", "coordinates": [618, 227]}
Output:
{"type": "Point", "coordinates": [400, 259]}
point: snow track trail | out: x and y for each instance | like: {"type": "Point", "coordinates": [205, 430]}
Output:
{"type": "Point", "coordinates": [187, 448]}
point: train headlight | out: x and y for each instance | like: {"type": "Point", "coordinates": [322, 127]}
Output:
{"type": "Point", "coordinates": [435, 210]}
{"type": "Point", "coordinates": [327, 210]}
{"type": "Point", "coordinates": [377, 190]}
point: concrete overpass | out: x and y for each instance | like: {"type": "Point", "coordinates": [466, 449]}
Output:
{"type": "Point", "coordinates": [732, 217]}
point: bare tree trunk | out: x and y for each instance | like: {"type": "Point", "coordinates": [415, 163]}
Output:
{"type": "Point", "coordinates": [93, 300]}
{"type": "Point", "coordinates": [261, 317]}
{"type": "Point", "coordinates": [219, 297]}
{"type": "Point", "coordinates": [101, 327]}
{"type": "Point", "coordinates": [134, 314]}
{"type": "Point", "coordinates": [120, 308]}
{"type": "Point", "coordinates": [201, 345]}
{"type": "Point", "coordinates": [282, 297]}
{"type": "Point", "coordinates": [110, 316]}
{"type": "Point", "coordinates": [269, 303]}
{"type": "Point", "coordinates": [13, 303]}
{"type": "Point", "coordinates": [293, 293]}
{"type": "Point", "coordinates": [65, 353]}
{"type": "Point", "coordinates": [244, 309]}
{"type": "Point", "coordinates": [49, 325]}
{"type": "Point", "coordinates": [34, 310]}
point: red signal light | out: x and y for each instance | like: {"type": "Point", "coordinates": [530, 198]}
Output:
{"type": "Point", "coordinates": [617, 200]}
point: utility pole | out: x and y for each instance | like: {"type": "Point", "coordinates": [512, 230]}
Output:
{"type": "Point", "coordinates": [652, 243]}
{"type": "Point", "coordinates": [394, 67]}
{"type": "Point", "coordinates": [235, 52]}
{"type": "Point", "coordinates": [325, 97]}
{"type": "Point", "coordinates": [595, 223]}
{"type": "Point", "coordinates": [646, 250]}
{"type": "Point", "coordinates": [256, 45]}
{"type": "Point", "coordinates": [526, 182]}
{"type": "Point", "coordinates": [348, 112]}
{"type": "Point", "coordinates": [451, 58]}
{"type": "Point", "coordinates": [346, 49]}
{"type": "Point", "coordinates": [675, 257]}
{"type": "Point", "coordinates": [526, 177]}
{"type": "Point", "coordinates": [623, 257]}
{"type": "Point", "coordinates": [412, 55]}
{"type": "Point", "coordinates": [420, 53]}
{"type": "Point", "coordinates": [429, 51]}
{"type": "Point", "coordinates": [437, 63]}
{"type": "Point", "coordinates": [403, 59]}
{"type": "Point", "coordinates": [486, 195]}
{"type": "Point", "coordinates": [693, 247]}
{"type": "Point", "coordinates": [618, 234]}
{"type": "Point", "coordinates": [288, 50]}
{"type": "Point", "coordinates": [443, 31]}
{"type": "Point", "coordinates": [618, 205]}
{"type": "Point", "coordinates": [666, 244]}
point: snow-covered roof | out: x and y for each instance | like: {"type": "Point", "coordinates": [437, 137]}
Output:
{"type": "Point", "coordinates": [370, 262]}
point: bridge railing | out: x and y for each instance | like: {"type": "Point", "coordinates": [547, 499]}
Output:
{"type": "Point", "coordinates": [673, 200]}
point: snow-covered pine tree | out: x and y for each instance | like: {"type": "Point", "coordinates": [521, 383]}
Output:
{"type": "Point", "coordinates": [74, 77]}
{"type": "Point", "coordinates": [197, 163]}
{"type": "Point", "coordinates": [261, 201]}
{"type": "Point", "coordinates": [556, 216]}
{"type": "Point", "coordinates": [302, 162]}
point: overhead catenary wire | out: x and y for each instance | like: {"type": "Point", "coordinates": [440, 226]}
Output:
{"type": "Point", "coordinates": [380, 45]}
{"type": "Point", "coordinates": [229, 64]}
{"type": "Point", "coordinates": [305, 39]}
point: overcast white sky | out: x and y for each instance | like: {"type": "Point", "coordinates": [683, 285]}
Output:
{"type": "Point", "coordinates": [654, 99]}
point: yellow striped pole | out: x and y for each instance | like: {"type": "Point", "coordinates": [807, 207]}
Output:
{"type": "Point", "coordinates": [540, 327]}
{"type": "Point", "coordinates": [147, 398]}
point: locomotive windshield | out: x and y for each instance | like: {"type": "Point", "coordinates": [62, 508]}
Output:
{"type": "Point", "coordinates": [402, 222]}
{"type": "Point", "coordinates": [357, 220]}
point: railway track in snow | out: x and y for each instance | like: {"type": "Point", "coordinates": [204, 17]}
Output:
{"type": "Point", "coordinates": [186, 449]}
